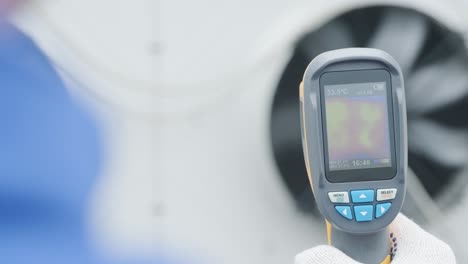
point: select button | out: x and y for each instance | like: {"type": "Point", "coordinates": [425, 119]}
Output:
{"type": "Point", "coordinates": [386, 194]}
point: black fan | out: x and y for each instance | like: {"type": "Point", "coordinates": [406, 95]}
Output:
{"type": "Point", "coordinates": [435, 64]}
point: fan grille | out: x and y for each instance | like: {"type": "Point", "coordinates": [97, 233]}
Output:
{"type": "Point", "coordinates": [429, 44]}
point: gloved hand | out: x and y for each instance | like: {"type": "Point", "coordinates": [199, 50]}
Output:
{"type": "Point", "coordinates": [411, 244]}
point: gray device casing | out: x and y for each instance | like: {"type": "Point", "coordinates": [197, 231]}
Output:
{"type": "Point", "coordinates": [313, 142]}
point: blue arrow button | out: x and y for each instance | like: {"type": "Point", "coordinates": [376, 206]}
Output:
{"type": "Point", "coordinates": [363, 213]}
{"type": "Point", "coordinates": [344, 211]}
{"type": "Point", "coordinates": [362, 196]}
{"type": "Point", "coordinates": [381, 209]}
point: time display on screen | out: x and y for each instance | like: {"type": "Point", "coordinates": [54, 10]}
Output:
{"type": "Point", "coordinates": [357, 126]}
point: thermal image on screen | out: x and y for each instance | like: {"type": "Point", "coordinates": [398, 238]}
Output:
{"type": "Point", "coordinates": [357, 126]}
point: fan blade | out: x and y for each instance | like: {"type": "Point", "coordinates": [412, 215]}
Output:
{"type": "Point", "coordinates": [418, 202]}
{"type": "Point", "coordinates": [447, 146]}
{"type": "Point", "coordinates": [335, 35]}
{"type": "Point", "coordinates": [401, 33]}
{"type": "Point", "coordinates": [437, 85]}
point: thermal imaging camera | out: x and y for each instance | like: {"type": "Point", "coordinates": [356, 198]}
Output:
{"type": "Point", "coordinates": [353, 119]}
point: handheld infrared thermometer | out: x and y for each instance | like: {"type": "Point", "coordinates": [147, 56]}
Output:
{"type": "Point", "coordinates": [353, 119]}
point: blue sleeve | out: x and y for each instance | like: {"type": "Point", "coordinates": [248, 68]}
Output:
{"type": "Point", "coordinates": [50, 155]}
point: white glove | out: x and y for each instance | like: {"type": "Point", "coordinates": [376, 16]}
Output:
{"type": "Point", "coordinates": [411, 245]}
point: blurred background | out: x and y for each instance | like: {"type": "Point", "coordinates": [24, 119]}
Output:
{"type": "Point", "coordinates": [157, 131]}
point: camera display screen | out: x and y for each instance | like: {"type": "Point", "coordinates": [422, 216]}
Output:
{"type": "Point", "coordinates": [357, 126]}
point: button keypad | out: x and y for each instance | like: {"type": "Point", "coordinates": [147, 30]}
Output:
{"type": "Point", "coordinates": [362, 203]}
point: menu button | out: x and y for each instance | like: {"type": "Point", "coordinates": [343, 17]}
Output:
{"type": "Point", "coordinates": [338, 197]}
